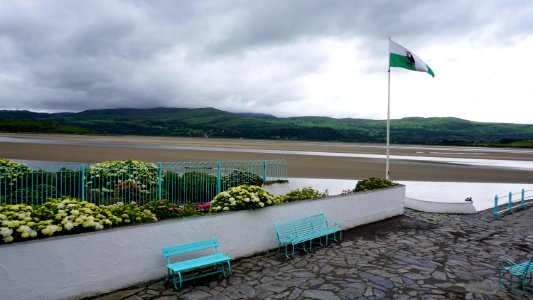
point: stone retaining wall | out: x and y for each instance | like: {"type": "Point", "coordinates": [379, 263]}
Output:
{"type": "Point", "coordinates": [99, 262]}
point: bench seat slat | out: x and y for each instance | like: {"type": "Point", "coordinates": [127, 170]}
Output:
{"type": "Point", "coordinates": [198, 262]}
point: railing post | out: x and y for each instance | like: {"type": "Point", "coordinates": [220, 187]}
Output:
{"type": "Point", "coordinates": [264, 171]}
{"type": "Point", "coordinates": [510, 205]}
{"type": "Point", "coordinates": [82, 182]}
{"type": "Point", "coordinates": [495, 211]}
{"type": "Point", "coordinates": [522, 206]}
{"type": "Point", "coordinates": [219, 183]}
{"type": "Point", "coordinates": [159, 181]}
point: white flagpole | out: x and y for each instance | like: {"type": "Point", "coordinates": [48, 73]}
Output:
{"type": "Point", "coordinates": [388, 124]}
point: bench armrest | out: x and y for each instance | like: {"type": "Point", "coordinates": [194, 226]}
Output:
{"type": "Point", "coordinates": [507, 264]}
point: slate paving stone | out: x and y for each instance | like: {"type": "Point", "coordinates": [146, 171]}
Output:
{"type": "Point", "coordinates": [321, 295]}
{"type": "Point", "coordinates": [415, 256]}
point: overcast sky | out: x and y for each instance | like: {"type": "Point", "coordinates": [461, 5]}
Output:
{"type": "Point", "coordinates": [286, 58]}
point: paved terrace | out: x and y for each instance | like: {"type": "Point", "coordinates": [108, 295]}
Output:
{"type": "Point", "coordinates": [414, 256]}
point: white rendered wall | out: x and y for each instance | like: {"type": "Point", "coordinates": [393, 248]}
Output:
{"type": "Point", "coordinates": [440, 207]}
{"type": "Point", "coordinates": [99, 262]}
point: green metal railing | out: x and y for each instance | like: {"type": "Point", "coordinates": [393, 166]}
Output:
{"type": "Point", "coordinates": [178, 182]}
{"type": "Point", "coordinates": [520, 201]}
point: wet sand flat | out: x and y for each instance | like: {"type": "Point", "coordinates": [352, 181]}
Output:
{"type": "Point", "coordinates": [88, 149]}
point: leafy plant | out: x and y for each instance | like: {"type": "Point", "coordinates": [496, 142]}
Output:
{"type": "Point", "coordinates": [35, 194]}
{"type": "Point", "coordinates": [373, 183]}
{"type": "Point", "coordinates": [243, 197]}
{"type": "Point", "coordinates": [166, 210]}
{"type": "Point", "coordinates": [69, 182]}
{"type": "Point", "coordinates": [11, 175]}
{"type": "Point", "coordinates": [239, 177]}
{"type": "Point", "coordinates": [106, 180]}
{"type": "Point", "coordinates": [127, 190]}
{"type": "Point", "coordinates": [303, 194]}
{"type": "Point", "coordinates": [197, 187]}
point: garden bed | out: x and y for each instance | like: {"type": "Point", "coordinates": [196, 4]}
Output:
{"type": "Point", "coordinates": [98, 262]}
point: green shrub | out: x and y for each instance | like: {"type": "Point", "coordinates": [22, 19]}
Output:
{"type": "Point", "coordinates": [240, 177]}
{"type": "Point", "coordinates": [242, 198]}
{"type": "Point", "coordinates": [303, 194]}
{"type": "Point", "coordinates": [130, 180]}
{"type": "Point", "coordinates": [35, 194]}
{"type": "Point", "coordinates": [11, 176]}
{"type": "Point", "coordinates": [197, 187]}
{"type": "Point", "coordinates": [373, 183]}
{"type": "Point", "coordinates": [165, 210]}
{"type": "Point", "coordinates": [69, 182]}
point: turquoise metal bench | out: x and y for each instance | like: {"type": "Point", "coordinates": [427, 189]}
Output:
{"type": "Point", "coordinates": [297, 233]}
{"type": "Point", "coordinates": [217, 261]}
{"type": "Point", "coordinates": [522, 270]}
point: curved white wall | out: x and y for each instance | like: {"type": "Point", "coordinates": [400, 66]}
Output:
{"type": "Point", "coordinates": [440, 207]}
{"type": "Point", "coordinates": [99, 262]}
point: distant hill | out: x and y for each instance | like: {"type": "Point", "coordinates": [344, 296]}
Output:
{"type": "Point", "coordinates": [211, 122]}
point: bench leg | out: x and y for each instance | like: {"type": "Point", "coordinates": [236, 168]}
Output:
{"type": "Point", "coordinates": [174, 280]}
{"type": "Point", "coordinates": [226, 274]}
{"type": "Point", "coordinates": [168, 276]}
{"type": "Point", "coordinates": [292, 251]}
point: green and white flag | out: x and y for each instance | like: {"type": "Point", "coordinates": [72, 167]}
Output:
{"type": "Point", "coordinates": [400, 57]}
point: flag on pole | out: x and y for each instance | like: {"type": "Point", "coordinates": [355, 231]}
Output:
{"type": "Point", "coordinates": [400, 57]}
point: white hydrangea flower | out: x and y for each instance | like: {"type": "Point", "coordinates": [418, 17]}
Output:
{"type": "Point", "coordinates": [24, 229]}
{"type": "Point", "coordinates": [69, 225]}
{"type": "Point", "coordinates": [6, 232]}
{"type": "Point", "coordinates": [49, 230]}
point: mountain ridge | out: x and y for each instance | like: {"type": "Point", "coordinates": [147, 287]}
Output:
{"type": "Point", "coordinates": [212, 122]}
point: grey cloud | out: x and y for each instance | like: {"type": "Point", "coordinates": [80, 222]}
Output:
{"type": "Point", "coordinates": [75, 55]}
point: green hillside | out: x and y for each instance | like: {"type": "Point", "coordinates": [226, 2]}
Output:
{"type": "Point", "coordinates": [211, 122]}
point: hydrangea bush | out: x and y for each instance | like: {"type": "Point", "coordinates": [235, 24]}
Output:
{"type": "Point", "coordinates": [11, 174]}
{"type": "Point", "coordinates": [62, 216]}
{"type": "Point", "coordinates": [122, 180]}
{"type": "Point", "coordinates": [243, 197]}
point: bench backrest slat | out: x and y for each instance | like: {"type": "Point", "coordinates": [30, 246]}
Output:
{"type": "Point", "coordinates": [319, 222]}
{"type": "Point", "coordinates": [301, 226]}
{"type": "Point", "coordinates": [167, 252]}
